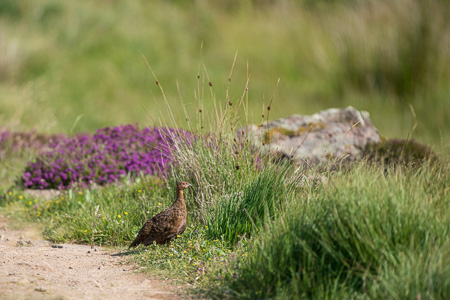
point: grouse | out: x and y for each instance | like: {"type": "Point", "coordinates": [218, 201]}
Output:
{"type": "Point", "coordinates": [166, 225]}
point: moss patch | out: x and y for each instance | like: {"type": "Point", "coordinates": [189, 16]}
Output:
{"type": "Point", "coordinates": [279, 131]}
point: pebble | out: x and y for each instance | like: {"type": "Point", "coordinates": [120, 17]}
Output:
{"type": "Point", "coordinates": [40, 289]}
{"type": "Point", "coordinates": [96, 283]}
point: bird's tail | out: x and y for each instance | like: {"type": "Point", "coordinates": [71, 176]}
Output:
{"type": "Point", "coordinates": [134, 244]}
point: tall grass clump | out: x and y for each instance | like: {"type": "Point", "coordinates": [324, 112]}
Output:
{"type": "Point", "coordinates": [236, 186]}
{"type": "Point", "coordinates": [242, 212]}
{"type": "Point", "coordinates": [365, 234]}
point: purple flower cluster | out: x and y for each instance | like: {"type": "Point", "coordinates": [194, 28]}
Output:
{"type": "Point", "coordinates": [105, 157]}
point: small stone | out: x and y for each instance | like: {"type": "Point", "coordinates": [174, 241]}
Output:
{"type": "Point", "coordinates": [70, 268]}
{"type": "Point", "coordinates": [89, 252]}
{"type": "Point", "coordinates": [21, 237]}
{"type": "Point", "coordinates": [40, 289]}
{"type": "Point", "coordinates": [96, 283]}
{"type": "Point", "coordinates": [20, 244]}
{"type": "Point", "coordinates": [57, 246]}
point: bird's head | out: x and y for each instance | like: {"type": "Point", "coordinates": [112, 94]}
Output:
{"type": "Point", "coordinates": [182, 185]}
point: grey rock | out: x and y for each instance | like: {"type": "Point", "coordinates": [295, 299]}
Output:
{"type": "Point", "coordinates": [330, 135]}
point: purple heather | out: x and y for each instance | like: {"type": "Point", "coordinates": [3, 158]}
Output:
{"type": "Point", "coordinates": [103, 157]}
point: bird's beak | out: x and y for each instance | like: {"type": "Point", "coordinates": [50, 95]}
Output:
{"type": "Point", "coordinates": [189, 185]}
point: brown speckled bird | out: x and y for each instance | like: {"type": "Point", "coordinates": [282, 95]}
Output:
{"type": "Point", "coordinates": [166, 225]}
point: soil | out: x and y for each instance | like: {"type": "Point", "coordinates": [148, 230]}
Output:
{"type": "Point", "coordinates": [32, 268]}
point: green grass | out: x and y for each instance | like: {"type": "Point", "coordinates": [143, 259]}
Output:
{"type": "Point", "coordinates": [366, 234]}
{"type": "Point", "coordinates": [69, 67]}
{"type": "Point", "coordinates": [12, 163]}
{"type": "Point", "coordinates": [122, 209]}
{"type": "Point", "coordinates": [231, 216]}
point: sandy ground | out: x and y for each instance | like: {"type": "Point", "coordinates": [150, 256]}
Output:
{"type": "Point", "coordinates": [32, 268]}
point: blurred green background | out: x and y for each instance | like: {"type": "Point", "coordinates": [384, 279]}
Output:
{"type": "Point", "coordinates": [71, 66]}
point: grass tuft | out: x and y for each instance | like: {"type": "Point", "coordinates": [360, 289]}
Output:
{"type": "Point", "coordinates": [358, 236]}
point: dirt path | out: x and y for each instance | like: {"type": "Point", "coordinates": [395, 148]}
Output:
{"type": "Point", "coordinates": [30, 268]}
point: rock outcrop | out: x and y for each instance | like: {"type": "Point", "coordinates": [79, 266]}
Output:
{"type": "Point", "coordinates": [330, 135]}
